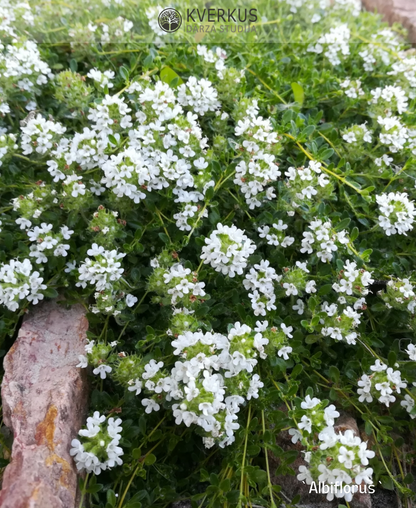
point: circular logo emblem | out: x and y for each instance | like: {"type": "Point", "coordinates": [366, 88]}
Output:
{"type": "Point", "coordinates": [170, 20]}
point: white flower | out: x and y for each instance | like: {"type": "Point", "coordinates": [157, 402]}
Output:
{"type": "Point", "coordinates": [136, 386]}
{"type": "Point", "coordinates": [309, 403]}
{"type": "Point", "coordinates": [305, 423]}
{"type": "Point", "coordinates": [83, 361]}
{"type": "Point", "coordinates": [102, 370]}
{"type": "Point", "coordinates": [296, 435]}
{"type": "Point", "coordinates": [411, 351]}
{"type": "Point", "coordinates": [346, 457]}
{"type": "Point", "coordinates": [330, 414]}
{"type": "Point", "coordinates": [131, 300]}
{"type": "Point", "coordinates": [150, 405]}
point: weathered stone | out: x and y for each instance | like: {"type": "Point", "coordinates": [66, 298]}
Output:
{"type": "Point", "coordinates": [401, 11]}
{"type": "Point", "coordinates": [291, 486]}
{"type": "Point", "coordinates": [44, 403]}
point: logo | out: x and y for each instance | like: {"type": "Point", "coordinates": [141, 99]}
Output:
{"type": "Point", "coordinates": [170, 20]}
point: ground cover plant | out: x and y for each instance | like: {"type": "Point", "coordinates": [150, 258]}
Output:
{"type": "Point", "coordinates": [237, 217]}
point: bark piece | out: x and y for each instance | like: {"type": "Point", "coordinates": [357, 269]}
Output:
{"type": "Point", "coordinates": [44, 403]}
{"type": "Point", "coordinates": [401, 11]}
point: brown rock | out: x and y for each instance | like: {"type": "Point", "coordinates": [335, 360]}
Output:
{"type": "Point", "coordinates": [291, 486]}
{"type": "Point", "coordinates": [401, 11]}
{"type": "Point", "coordinates": [44, 403]}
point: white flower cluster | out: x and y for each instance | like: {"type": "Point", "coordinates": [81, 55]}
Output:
{"type": "Point", "coordinates": [381, 384]}
{"type": "Point", "coordinates": [334, 45]}
{"type": "Point", "coordinates": [111, 115]}
{"type": "Point", "coordinates": [39, 135]}
{"type": "Point", "coordinates": [357, 135]}
{"type": "Point", "coordinates": [11, 13]}
{"type": "Point", "coordinates": [383, 43]}
{"type": "Point", "coordinates": [405, 68]}
{"type": "Point", "coordinates": [98, 449]}
{"type": "Point", "coordinates": [216, 58]}
{"type": "Point", "coordinates": [181, 281]}
{"type": "Point", "coordinates": [400, 294]}
{"type": "Point", "coordinates": [227, 250]}
{"type": "Point", "coordinates": [22, 68]}
{"type": "Point", "coordinates": [274, 234]}
{"type": "Point", "coordinates": [260, 281]}
{"type": "Point", "coordinates": [334, 458]}
{"type": "Point", "coordinates": [7, 144]}
{"type": "Point", "coordinates": [394, 134]}
{"type": "Point", "coordinates": [200, 95]}
{"type": "Point", "coordinates": [102, 78]}
{"type": "Point", "coordinates": [323, 239]}
{"type": "Point", "coordinates": [397, 213]}
{"type": "Point", "coordinates": [340, 324]}
{"type": "Point", "coordinates": [210, 381]}
{"type": "Point", "coordinates": [390, 99]}
{"type": "Point", "coordinates": [304, 182]}
{"type": "Point", "coordinates": [18, 281]}
{"type": "Point", "coordinates": [48, 243]}
{"type": "Point", "coordinates": [152, 14]}
{"type": "Point", "coordinates": [97, 356]}
{"type": "Point", "coordinates": [101, 272]}
{"type": "Point", "coordinates": [352, 280]}
{"type": "Point", "coordinates": [258, 169]}
{"type": "Point", "coordinates": [353, 88]}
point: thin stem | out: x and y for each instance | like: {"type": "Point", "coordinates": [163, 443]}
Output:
{"type": "Point", "coordinates": [84, 488]}
{"type": "Point", "coordinates": [267, 86]}
{"type": "Point", "coordinates": [273, 505]}
{"type": "Point", "coordinates": [244, 455]}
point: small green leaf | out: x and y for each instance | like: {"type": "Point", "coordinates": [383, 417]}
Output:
{"type": "Point", "coordinates": [164, 237]}
{"type": "Point", "coordinates": [111, 498]}
{"type": "Point", "coordinates": [297, 370]}
{"type": "Point", "coordinates": [342, 225]}
{"type": "Point", "coordinates": [365, 256]}
{"type": "Point", "coordinates": [298, 93]}
{"type": "Point", "coordinates": [334, 373]}
{"type": "Point", "coordinates": [148, 61]}
{"type": "Point", "coordinates": [169, 76]}
{"type": "Point", "coordinates": [50, 293]}
{"type": "Point", "coordinates": [73, 64]}
{"type": "Point", "coordinates": [327, 154]}
{"type": "Point", "coordinates": [354, 234]}
{"type": "Point", "coordinates": [124, 73]}
{"type": "Point", "coordinates": [150, 459]}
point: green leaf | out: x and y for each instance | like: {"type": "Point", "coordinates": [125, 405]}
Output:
{"type": "Point", "coordinates": [50, 293]}
{"type": "Point", "coordinates": [111, 498]}
{"type": "Point", "coordinates": [327, 154]}
{"type": "Point", "coordinates": [392, 358]}
{"type": "Point", "coordinates": [93, 489]}
{"type": "Point", "coordinates": [387, 482]}
{"type": "Point", "coordinates": [296, 371]}
{"type": "Point", "coordinates": [343, 224]}
{"type": "Point", "coordinates": [365, 256]}
{"type": "Point", "coordinates": [325, 289]}
{"type": "Point", "coordinates": [334, 373]}
{"type": "Point", "coordinates": [354, 234]}
{"type": "Point", "coordinates": [136, 453]}
{"type": "Point", "coordinates": [148, 61]}
{"type": "Point", "coordinates": [298, 93]}
{"type": "Point", "coordinates": [150, 459]}
{"type": "Point", "coordinates": [164, 237]}
{"type": "Point", "coordinates": [124, 73]}
{"type": "Point", "coordinates": [169, 76]}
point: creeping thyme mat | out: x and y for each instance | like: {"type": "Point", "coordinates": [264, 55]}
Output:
{"type": "Point", "coordinates": [238, 221]}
